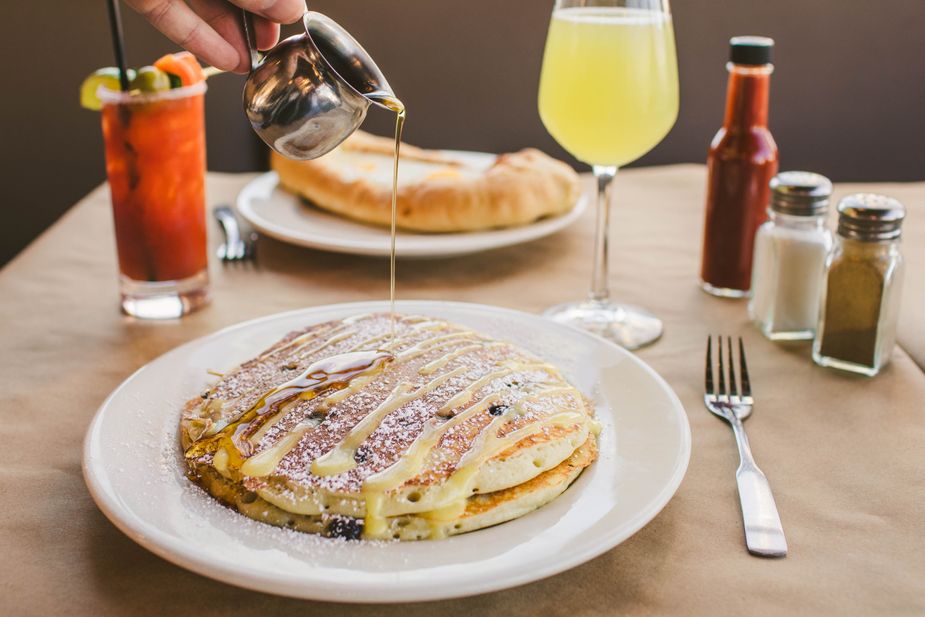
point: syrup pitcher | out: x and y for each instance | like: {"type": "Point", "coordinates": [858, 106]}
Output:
{"type": "Point", "coordinates": [311, 91]}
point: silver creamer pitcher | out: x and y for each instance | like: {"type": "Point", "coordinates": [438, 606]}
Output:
{"type": "Point", "coordinates": [311, 91]}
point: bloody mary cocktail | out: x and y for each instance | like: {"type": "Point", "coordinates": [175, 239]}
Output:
{"type": "Point", "coordinates": [156, 161]}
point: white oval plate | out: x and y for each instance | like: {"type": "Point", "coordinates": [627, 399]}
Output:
{"type": "Point", "coordinates": [284, 216]}
{"type": "Point", "coordinates": [134, 470]}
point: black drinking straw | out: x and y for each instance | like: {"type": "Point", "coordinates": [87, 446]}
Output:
{"type": "Point", "coordinates": [118, 42]}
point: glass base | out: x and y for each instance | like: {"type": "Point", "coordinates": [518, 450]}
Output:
{"type": "Point", "coordinates": [844, 365]}
{"type": "Point", "coordinates": [723, 292]}
{"type": "Point", "coordinates": [767, 329]}
{"type": "Point", "coordinates": [800, 335]}
{"type": "Point", "coordinates": [627, 326]}
{"type": "Point", "coordinates": [164, 299]}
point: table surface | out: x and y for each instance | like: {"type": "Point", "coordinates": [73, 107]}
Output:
{"type": "Point", "coordinates": [844, 454]}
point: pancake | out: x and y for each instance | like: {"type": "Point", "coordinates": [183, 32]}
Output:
{"type": "Point", "coordinates": [379, 427]}
{"type": "Point", "coordinates": [436, 192]}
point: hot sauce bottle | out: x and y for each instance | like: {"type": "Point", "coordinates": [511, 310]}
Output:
{"type": "Point", "coordinates": [741, 162]}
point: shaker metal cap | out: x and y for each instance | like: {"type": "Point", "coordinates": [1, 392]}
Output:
{"type": "Point", "coordinates": [800, 193]}
{"type": "Point", "coordinates": [869, 217]}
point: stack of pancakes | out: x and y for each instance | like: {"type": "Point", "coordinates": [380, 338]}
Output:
{"type": "Point", "coordinates": [388, 427]}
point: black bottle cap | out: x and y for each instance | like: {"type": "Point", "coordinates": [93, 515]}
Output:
{"type": "Point", "coordinates": [750, 50]}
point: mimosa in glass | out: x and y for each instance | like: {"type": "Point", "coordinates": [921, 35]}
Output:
{"type": "Point", "coordinates": [609, 94]}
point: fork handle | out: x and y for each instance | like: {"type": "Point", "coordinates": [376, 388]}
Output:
{"type": "Point", "coordinates": [764, 534]}
{"type": "Point", "coordinates": [230, 227]}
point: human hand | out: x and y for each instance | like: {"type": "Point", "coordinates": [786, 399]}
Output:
{"type": "Point", "coordinates": [211, 29]}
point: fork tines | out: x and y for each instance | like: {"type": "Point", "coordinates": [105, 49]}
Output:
{"type": "Point", "coordinates": [237, 247]}
{"type": "Point", "coordinates": [726, 358]}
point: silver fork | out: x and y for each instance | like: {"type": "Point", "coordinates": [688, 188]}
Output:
{"type": "Point", "coordinates": [764, 534]}
{"type": "Point", "coordinates": [235, 247]}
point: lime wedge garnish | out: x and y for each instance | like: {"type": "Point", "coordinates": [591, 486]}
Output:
{"type": "Point", "coordinates": [108, 78]}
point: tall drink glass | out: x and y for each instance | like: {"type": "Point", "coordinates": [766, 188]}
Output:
{"type": "Point", "coordinates": [156, 162]}
{"type": "Point", "coordinates": [609, 94]}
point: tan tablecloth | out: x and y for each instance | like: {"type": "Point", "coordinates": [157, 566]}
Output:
{"type": "Point", "coordinates": [845, 455]}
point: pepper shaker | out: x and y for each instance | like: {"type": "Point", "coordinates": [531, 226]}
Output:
{"type": "Point", "coordinates": [864, 274]}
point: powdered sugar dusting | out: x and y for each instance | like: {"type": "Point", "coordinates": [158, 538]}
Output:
{"type": "Point", "coordinates": [475, 365]}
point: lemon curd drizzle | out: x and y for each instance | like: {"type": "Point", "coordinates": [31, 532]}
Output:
{"type": "Point", "coordinates": [332, 373]}
{"type": "Point", "coordinates": [232, 448]}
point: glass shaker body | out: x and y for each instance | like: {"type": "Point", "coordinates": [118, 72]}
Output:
{"type": "Point", "coordinates": [860, 305]}
{"type": "Point", "coordinates": [787, 275]}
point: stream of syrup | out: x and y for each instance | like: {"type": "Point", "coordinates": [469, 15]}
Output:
{"type": "Point", "coordinates": [391, 102]}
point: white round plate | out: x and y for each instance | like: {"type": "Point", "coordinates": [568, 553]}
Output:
{"type": "Point", "coordinates": [286, 217]}
{"type": "Point", "coordinates": [134, 470]}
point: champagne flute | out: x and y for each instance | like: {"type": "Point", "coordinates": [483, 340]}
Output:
{"type": "Point", "coordinates": [609, 94]}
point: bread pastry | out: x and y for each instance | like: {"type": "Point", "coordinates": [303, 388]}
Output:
{"type": "Point", "coordinates": [352, 429]}
{"type": "Point", "coordinates": [437, 192]}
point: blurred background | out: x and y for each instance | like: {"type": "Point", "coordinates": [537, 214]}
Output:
{"type": "Point", "coordinates": [847, 94]}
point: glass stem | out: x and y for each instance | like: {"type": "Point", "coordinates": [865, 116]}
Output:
{"type": "Point", "coordinates": [600, 288]}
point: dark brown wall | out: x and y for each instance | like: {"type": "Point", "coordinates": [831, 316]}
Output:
{"type": "Point", "coordinates": [847, 99]}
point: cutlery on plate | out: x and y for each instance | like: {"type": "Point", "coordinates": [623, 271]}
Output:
{"type": "Point", "coordinates": [764, 534]}
{"type": "Point", "coordinates": [236, 246]}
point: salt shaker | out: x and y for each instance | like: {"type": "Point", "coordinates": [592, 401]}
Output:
{"type": "Point", "coordinates": [864, 274]}
{"type": "Point", "coordinates": [790, 253]}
